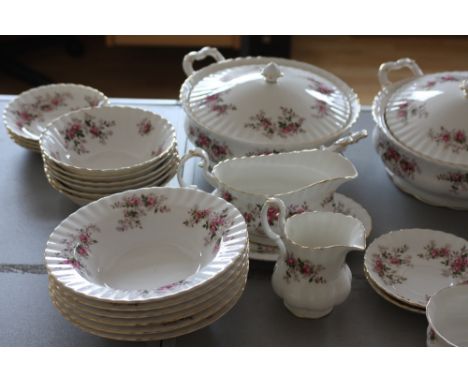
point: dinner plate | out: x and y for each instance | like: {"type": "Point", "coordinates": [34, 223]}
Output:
{"type": "Point", "coordinates": [412, 264]}
{"type": "Point", "coordinates": [161, 316]}
{"type": "Point", "coordinates": [340, 204]}
{"type": "Point", "coordinates": [154, 309]}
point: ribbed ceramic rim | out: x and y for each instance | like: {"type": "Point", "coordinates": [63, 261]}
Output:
{"type": "Point", "coordinates": [154, 177]}
{"type": "Point", "coordinates": [145, 310]}
{"type": "Point", "coordinates": [106, 178]}
{"type": "Point", "coordinates": [38, 89]}
{"type": "Point", "coordinates": [161, 336]}
{"type": "Point", "coordinates": [387, 297]}
{"type": "Point", "coordinates": [76, 182]}
{"type": "Point", "coordinates": [191, 81]}
{"type": "Point", "coordinates": [266, 196]}
{"type": "Point", "coordinates": [379, 106]}
{"type": "Point", "coordinates": [405, 300]}
{"type": "Point", "coordinates": [163, 316]}
{"type": "Point", "coordinates": [164, 124]}
{"type": "Point", "coordinates": [68, 277]}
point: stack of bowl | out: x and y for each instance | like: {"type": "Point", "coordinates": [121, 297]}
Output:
{"type": "Point", "coordinates": [148, 264]}
{"type": "Point", "coordinates": [95, 152]}
{"type": "Point", "coordinates": [27, 116]}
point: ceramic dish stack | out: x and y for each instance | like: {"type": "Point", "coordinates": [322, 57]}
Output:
{"type": "Point", "coordinates": [409, 266]}
{"type": "Point", "coordinates": [95, 152]}
{"type": "Point", "coordinates": [27, 116]}
{"type": "Point", "coordinates": [148, 264]}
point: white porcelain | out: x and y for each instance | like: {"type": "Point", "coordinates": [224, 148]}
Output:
{"type": "Point", "coordinates": [412, 264]}
{"type": "Point", "coordinates": [311, 275]}
{"type": "Point", "coordinates": [432, 340]}
{"type": "Point", "coordinates": [254, 105]}
{"type": "Point", "coordinates": [421, 135]}
{"type": "Point", "coordinates": [29, 113]}
{"type": "Point", "coordinates": [146, 244]}
{"type": "Point", "coordinates": [110, 139]}
{"type": "Point", "coordinates": [305, 180]}
{"type": "Point", "coordinates": [339, 204]}
{"type": "Point", "coordinates": [447, 314]}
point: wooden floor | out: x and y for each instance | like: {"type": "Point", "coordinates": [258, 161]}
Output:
{"type": "Point", "coordinates": [154, 72]}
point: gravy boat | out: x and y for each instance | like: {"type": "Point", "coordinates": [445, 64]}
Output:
{"type": "Point", "coordinates": [304, 180]}
{"type": "Point", "coordinates": [311, 275]}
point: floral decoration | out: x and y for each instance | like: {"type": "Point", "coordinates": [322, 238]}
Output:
{"type": "Point", "coordinates": [216, 103]}
{"type": "Point", "coordinates": [92, 101]}
{"type": "Point", "coordinates": [77, 130]}
{"type": "Point", "coordinates": [319, 86]}
{"type": "Point", "coordinates": [287, 124]}
{"type": "Point", "coordinates": [455, 262]}
{"type": "Point", "coordinates": [441, 79]}
{"type": "Point", "coordinates": [216, 223]}
{"type": "Point", "coordinates": [387, 261]}
{"type": "Point", "coordinates": [145, 127]}
{"type": "Point", "coordinates": [458, 181]}
{"type": "Point", "coordinates": [455, 140]}
{"type": "Point", "coordinates": [298, 269]}
{"type": "Point", "coordinates": [27, 113]}
{"type": "Point", "coordinates": [77, 246]}
{"type": "Point", "coordinates": [400, 164]}
{"type": "Point", "coordinates": [216, 150]}
{"type": "Point", "coordinates": [136, 206]}
{"type": "Point", "coordinates": [321, 108]}
{"type": "Point", "coordinates": [410, 109]}
{"type": "Point", "coordinates": [227, 196]}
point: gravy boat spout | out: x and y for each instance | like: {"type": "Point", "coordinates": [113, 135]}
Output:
{"type": "Point", "coordinates": [304, 180]}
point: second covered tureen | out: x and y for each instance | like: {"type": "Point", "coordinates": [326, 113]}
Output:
{"type": "Point", "coordinates": [258, 105]}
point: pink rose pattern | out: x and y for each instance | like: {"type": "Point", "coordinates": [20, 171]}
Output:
{"type": "Point", "coordinates": [387, 261]}
{"type": "Point", "coordinates": [227, 196]}
{"type": "Point", "coordinates": [287, 124]}
{"type": "Point", "coordinates": [136, 206]}
{"type": "Point", "coordinates": [145, 127]}
{"type": "Point", "coordinates": [78, 130]}
{"type": "Point", "coordinates": [455, 262]}
{"type": "Point", "coordinates": [320, 86]}
{"type": "Point", "coordinates": [298, 269]}
{"type": "Point", "coordinates": [398, 163]}
{"type": "Point", "coordinates": [409, 109]}
{"type": "Point", "coordinates": [77, 247]}
{"type": "Point", "coordinates": [216, 223]}
{"type": "Point", "coordinates": [217, 151]}
{"type": "Point", "coordinates": [321, 109]}
{"type": "Point", "coordinates": [30, 112]}
{"type": "Point", "coordinates": [454, 140]}
{"type": "Point", "coordinates": [93, 101]}
{"type": "Point", "coordinates": [216, 104]}
{"type": "Point", "coordinates": [445, 78]}
{"type": "Point", "coordinates": [458, 181]}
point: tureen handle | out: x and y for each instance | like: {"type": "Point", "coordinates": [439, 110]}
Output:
{"type": "Point", "coordinates": [189, 58]}
{"type": "Point", "coordinates": [274, 203]}
{"type": "Point", "coordinates": [386, 67]}
{"type": "Point", "coordinates": [205, 162]}
{"type": "Point", "coordinates": [340, 144]}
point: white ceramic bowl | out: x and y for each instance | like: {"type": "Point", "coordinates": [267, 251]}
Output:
{"type": "Point", "coordinates": [28, 114]}
{"type": "Point", "coordinates": [110, 139]}
{"type": "Point", "coordinates": [447, 313]}
{"type": "Point", "coordinates": [146, 244]}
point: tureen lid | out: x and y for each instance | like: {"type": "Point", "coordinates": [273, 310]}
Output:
{"type": "Point", "coordinates": [429, 113]}
{"type": "Point", "coordinates": [269, 100]}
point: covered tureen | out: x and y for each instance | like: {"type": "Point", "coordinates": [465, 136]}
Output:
{"type": "Point", "coordinates": [258, 105]}
{"type": "Point", "coordinates": [422, 133]}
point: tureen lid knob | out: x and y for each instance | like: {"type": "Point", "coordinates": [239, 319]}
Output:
{"type": "Point", "coordinates": [464, 87]}
{"type": "Point", "coordinates": [271, 73]}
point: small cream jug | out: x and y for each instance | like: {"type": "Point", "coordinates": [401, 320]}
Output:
{"type": "Point", "coordinates": [311, 275]}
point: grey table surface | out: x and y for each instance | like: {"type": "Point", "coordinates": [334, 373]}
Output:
{"type": "Point", "coordinates": [30, 210]}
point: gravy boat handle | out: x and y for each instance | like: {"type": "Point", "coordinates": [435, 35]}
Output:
{"type": "Point", "coordinates": [205, 162]}
{"type": "Point", "coordinates": [340, 144]}
{"type": "Point", "coordinates": [278, 203]}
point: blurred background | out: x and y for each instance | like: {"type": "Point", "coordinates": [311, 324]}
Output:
{"type": "Point", "coordinates": [150, 66]}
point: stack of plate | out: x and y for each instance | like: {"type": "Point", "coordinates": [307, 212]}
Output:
{"type": "Point", "coordinates": [95, 152]}
{"type": "Point", "coordinates": [148, 264]}
{"type": "Point", "coordinates": [407, 267]}
{"type": "Point", "coordinates": [28, 114]}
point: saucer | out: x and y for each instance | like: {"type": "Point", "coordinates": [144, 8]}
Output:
{"type": "Point", "coordinates": [340, 204]}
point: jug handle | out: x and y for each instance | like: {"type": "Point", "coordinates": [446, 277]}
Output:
{"type": "Point", "coordinates": [205, 162]}
{"type": "Point", "coordinates": [340, 144]}
{"type": "Point", "coordinates": [281, 220]}
{"type": "Point", "coordinates": [189, 58]}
